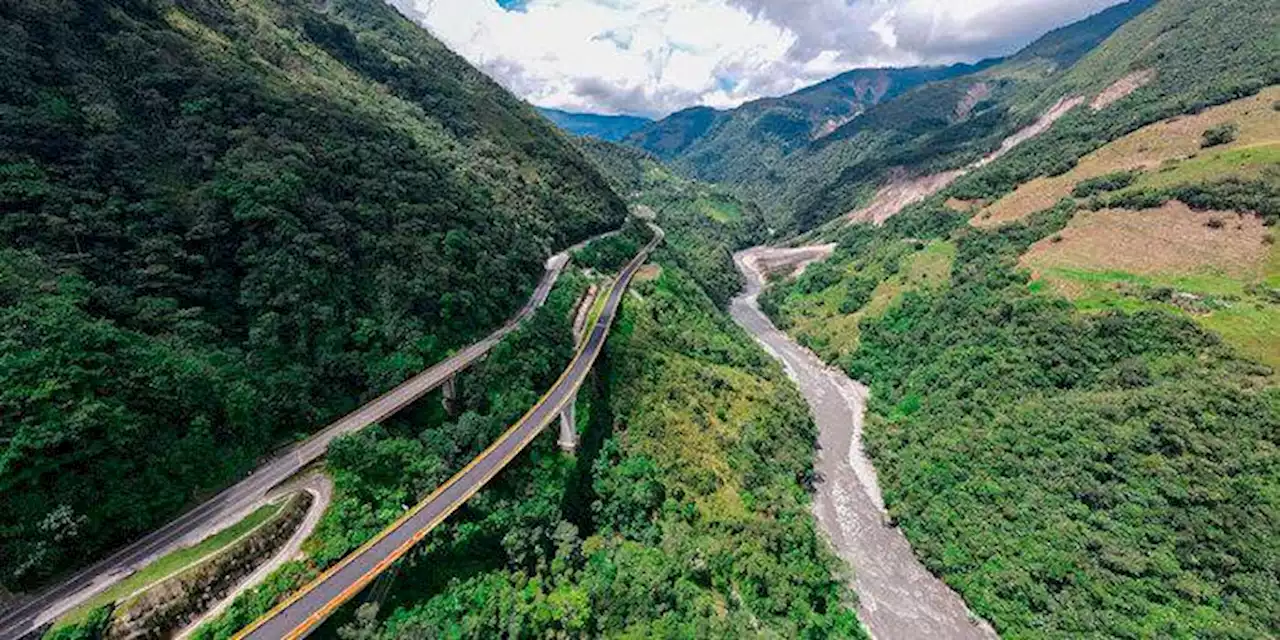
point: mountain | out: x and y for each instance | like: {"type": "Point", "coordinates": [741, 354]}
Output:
{"type": "Point", "coordinates": [1161, 60]}
{"type": "Point", "coordinates": [611, 128]}
{"type": "Point", "coordinates": [1072, 345]}
{"type": "Point", "coordinates": [225, 224]}
{"type": "Point", "coordinates": [933, 122]}
{"type": "Point", "coordinates": [722, 146]}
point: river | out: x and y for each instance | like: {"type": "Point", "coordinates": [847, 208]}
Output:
{"type": "Point", "coordinates": [897, 597]}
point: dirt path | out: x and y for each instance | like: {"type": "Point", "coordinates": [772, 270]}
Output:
{"type": "Point", "coordinates": [321, 489]}
{"type": "Point", "coordinates": [898, 597]}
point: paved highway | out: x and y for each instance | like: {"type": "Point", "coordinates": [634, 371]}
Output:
{"type": "Point", "coordinates": [240, 499]}
{"type": "Point", "coordinates": [303, 612]}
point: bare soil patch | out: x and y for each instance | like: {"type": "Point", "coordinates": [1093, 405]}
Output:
{"type": "Point", "coordinates": [963, 206]}
{"type": "Point", "coordinates": [897, 195]}
{"type": "Point", "coordinates": [773, 261]}
{"type": "Point", "coordinates": [1051, 116]}
{"type": "Point", "coordinates": [1148, 149]}
{"type": "Point", "coordinates": [903, 191]}
{"type": "Point", "coordinates": [976, 93]}
{"type": "Point", "coordinates": [648, 273]}
{"type": "Point", "coordinates": [1122, 87]}
{"type": "Point", "coordinates": [1173, 239]}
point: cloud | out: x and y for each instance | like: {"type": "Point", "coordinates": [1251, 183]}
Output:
{"type": "Point", "coordinates": [651, 57]}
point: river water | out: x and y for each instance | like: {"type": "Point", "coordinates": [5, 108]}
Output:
{"type": "Point", "coordinates": [897, 597]}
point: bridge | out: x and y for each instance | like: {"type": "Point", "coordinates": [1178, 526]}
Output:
{"type": "Point", "coordinates": [306, 609]}
{"type": "Point", "coordinates": [241, 499]}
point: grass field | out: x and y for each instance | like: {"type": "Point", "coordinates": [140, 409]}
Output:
{"type": "Point", "coordinates": [1167, 152]}
{"type": "Point", "coordinates": [719, 209]}
{"type": "Point", "coordinates": [171, 564]}
{"type": "Point", "coordinates": [1223, 277]}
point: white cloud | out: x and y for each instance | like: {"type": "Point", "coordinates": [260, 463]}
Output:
{"type": "Point", "coordinates": [654, 56]}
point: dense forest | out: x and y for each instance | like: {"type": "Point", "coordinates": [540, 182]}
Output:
{"type": "Point", "coordinates": [227, 223]}
{"type": "Point", "coordinates": [705, 224]}
{"type": "Point", "coordinates": [698, 522]}
{"type": "Point", "coordinates": [1070, 475]}
{"type": "Point", "coordinates": [739, 144]}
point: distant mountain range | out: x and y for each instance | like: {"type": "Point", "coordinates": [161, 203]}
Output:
{"type": "Point", "coordinates": [611, 128]}
{"type": "Point", "coordinates": [810, 155]}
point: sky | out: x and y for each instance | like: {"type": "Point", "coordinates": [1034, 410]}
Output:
{"type": "Point", "coordinates": [653, 57]}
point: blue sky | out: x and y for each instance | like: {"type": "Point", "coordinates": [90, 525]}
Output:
{"type": "Point", "coordinates": [651, 57]}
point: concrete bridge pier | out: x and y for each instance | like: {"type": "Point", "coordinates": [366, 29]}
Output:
{"type": "Point", "coordinates": [569, 426]}
{"type": "Point", "coordinates": [449, 391]}
{"type": "Point", "coordinates": [568, 440]}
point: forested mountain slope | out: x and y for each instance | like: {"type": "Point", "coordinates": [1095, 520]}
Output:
{"type": "Point", "coordinates": [705, 224]}
{"type": "Point", "coordinates": [741, 144]}
{"type": "Point", "coordinates": [225, 223]}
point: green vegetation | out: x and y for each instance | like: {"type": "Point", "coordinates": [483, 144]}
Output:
{"type": "Point", "coordinates": [378, 471]}
{"type": "Point", "coordinates": [684, 513]}
{"type": "Point", "coordinates": [698, 524]}
{"type": "Point", "coordinates": [1111, 474]}
{"type": "Point", "coordinates": [1261, 197]}
{"type": "Point", "coordinates": [825, 307]}
{"type": "Point", "coordinates": [1220, 135]}
{"type": "Point", "coordinates": [167, 566]}
{"type": "Point", "coordinates": [1247, 316]}
{"type": "Point", "coordinates": [743, 146]}
{"type": "Point", "coordinates": [1102, 184]}
{"type": "Point", "coordinates": [236, 221]}
{"type": "Point", "coordinates": [92, 628]}
{"type": "Point", "coordinates": [720, 208]}
{"type": "Point", "coordinates": [1192, 55]}
{"type": "Point", "coordinates": [611, 253]}
{"type": "Point", "coordinates": [1202, 54]}
{"type": "Point", "coordinates": [806, 159]}
{"type": "Point", "coordinates": [704, 224]}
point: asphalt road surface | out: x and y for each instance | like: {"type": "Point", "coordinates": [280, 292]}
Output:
{"type": "Point", "coordinates": [237, 501]}
{"type": "Point", "coordinates": [296, 617]}
{"type": "Point", "coordinates": [897, 596]}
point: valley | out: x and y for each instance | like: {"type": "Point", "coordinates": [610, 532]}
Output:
{"type": "Point", "coordinates": [954, 350]}
{"type": "Point", "coordinates": [897, 596]}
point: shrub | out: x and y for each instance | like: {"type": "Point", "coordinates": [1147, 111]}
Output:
{"type": "Point", "coordinates": [1109, 182]}
{"type": "Point", "coordinates": [1220, 135]}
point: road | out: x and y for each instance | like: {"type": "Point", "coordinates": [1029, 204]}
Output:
{"type": "Point", "coordinates": [299, 615]}
{"type": "Point", "coordinates": [321, 489]}
{"type": "Point", "coordinates": [897, 596]}
{"type": "Point", "coordinates": [239, 500]}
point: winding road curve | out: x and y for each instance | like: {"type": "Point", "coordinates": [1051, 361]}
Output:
{"type": "Point", "coordinates": [897, 596]}
{"type": "Point", "coordinates": [242, 498]}
{"type": "Point", "coordinates": [306, 609]}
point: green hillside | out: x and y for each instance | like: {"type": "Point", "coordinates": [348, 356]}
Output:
{"type": "Point", "coordinates": [225, 224]}
{"type": "Point", "coordinates": [1071, 349]}
{"type": "Point", "coordinates": [1189, 54]}
{"type": "Point", "coordinates": [705, 224]}
{"type": "Point", "coordinates": [930, 119]}
{"type": "Point", "coordinates": [743, 144]}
